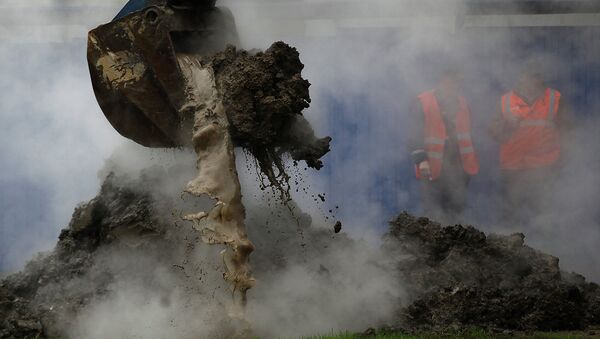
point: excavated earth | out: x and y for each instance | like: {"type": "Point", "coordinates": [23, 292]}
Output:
{"type": "Point", "coordinates": [264, 95]}
{"type": "Point", "coordinates": [134, 227]}
{"type": "Point", "coordinates": [463, 278]}
{"type": "Point", "coordinates": [457, 276]}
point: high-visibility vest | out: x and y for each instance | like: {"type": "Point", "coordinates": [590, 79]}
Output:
{"type": "Point", "coordinates": [535, 143]}
{"type": "Point", "coordinates": [436, 136]}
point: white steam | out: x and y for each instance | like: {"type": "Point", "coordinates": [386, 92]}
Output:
{"type": "Point", "coordinates": [367, 62]}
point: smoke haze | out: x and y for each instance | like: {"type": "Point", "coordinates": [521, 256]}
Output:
{"type": "Point", "coordinates": [367, 63]}
{"type": "Point", "coordinates": [54, 138]}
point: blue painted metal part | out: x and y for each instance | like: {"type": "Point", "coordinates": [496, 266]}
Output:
{"type": "Point", "coordinates": [130, 7]}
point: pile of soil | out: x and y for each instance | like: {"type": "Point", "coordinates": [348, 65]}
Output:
{"type": "Point", "coordinates": [463, 278]}
{"type": "Point", "coordinates": [51, 289]}
{"type": "Point", "coordinates": [457, 276]}
{"type": "Point", "coordinates": [131, 221]}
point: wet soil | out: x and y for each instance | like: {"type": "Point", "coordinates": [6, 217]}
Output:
{"type": "Point", "coordinates": [263, 96]}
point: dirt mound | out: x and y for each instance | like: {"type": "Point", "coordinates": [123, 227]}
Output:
{"type": "Point", "coordinates": [464, 278]}
{"type": "Point", "coordinates": [128, 231]}
{"type": "Point", "coordinates": [457, 276]}
{"type": "Point", "coordinates": [55, 286]}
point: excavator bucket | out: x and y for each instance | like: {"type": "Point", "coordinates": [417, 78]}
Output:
{"type": "Point", "coordinates": [134, 67]}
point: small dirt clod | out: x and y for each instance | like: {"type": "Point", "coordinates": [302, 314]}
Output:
{"type": "Point", "coordinates": [338, 227]}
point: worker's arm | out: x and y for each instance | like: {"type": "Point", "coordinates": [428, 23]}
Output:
{"type": "Point", "coordinates": [416, 124]}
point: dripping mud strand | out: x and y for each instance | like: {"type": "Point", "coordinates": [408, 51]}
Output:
{"type": "Point", "coordinates": [218, 178]}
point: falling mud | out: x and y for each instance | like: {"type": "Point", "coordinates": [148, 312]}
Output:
{"type": "Point", "coordinates": [218, 178]}
{"type": "Point", "coordinates": [252, 101]}
{"type": "Point", "coordinates": [176, 84]}
{"type": "Point", "coordinates": [165, 77]}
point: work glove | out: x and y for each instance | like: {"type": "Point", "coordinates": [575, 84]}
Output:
{"type": "Point", "coordinates": [425, 170]}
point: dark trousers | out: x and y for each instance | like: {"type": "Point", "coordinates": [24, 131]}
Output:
{"type": "Point", "coordinates": [444, 199]}
{"type": "Point", "coordinates": [527, 195]}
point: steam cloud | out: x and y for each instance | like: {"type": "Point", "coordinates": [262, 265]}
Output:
{"type": "Point", "coordinates": [367, 65]}
{"type": "Point", "coordinates": [364, 81]}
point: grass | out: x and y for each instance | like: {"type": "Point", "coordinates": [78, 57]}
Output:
{"type": "Point", "coordinates": [432, 336]}
{"type": "Point", "coordinates": [469, 334]}
{"type": "Point", "coordinates": [474, 334]}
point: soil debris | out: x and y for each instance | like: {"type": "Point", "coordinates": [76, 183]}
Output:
{"type": "Point", "coordinates": [338, 227]}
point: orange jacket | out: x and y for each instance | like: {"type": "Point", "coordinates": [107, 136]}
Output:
{"type": "Point", "coordinates": [436, 135]}
{"type": "Point", "coordinates": [535, 142]}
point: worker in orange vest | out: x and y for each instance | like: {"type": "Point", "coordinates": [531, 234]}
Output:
{"type": "Point", "coordinates": [530, 124]}
{"type": "Point", "coordinates": [442, 148]}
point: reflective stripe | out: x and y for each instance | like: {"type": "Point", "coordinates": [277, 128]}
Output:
{"type": "Point", "coordinates": [467, 150]}
{"type": "Point", "coordinates": [435, 155]}
{"type": "Point", "coordinates": [538, 123]}
{"type": "Point", "coordinates": [552, 104]}
{"type": "Point", "coordinates": [435, 141]}
{"type": "Point", "coordinates": [464, 136]}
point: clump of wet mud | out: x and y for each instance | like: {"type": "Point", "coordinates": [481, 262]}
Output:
{"type": "Point", "coordinates": [463, 278]}
{"type": "Point", "coordinates": [263, 95]}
